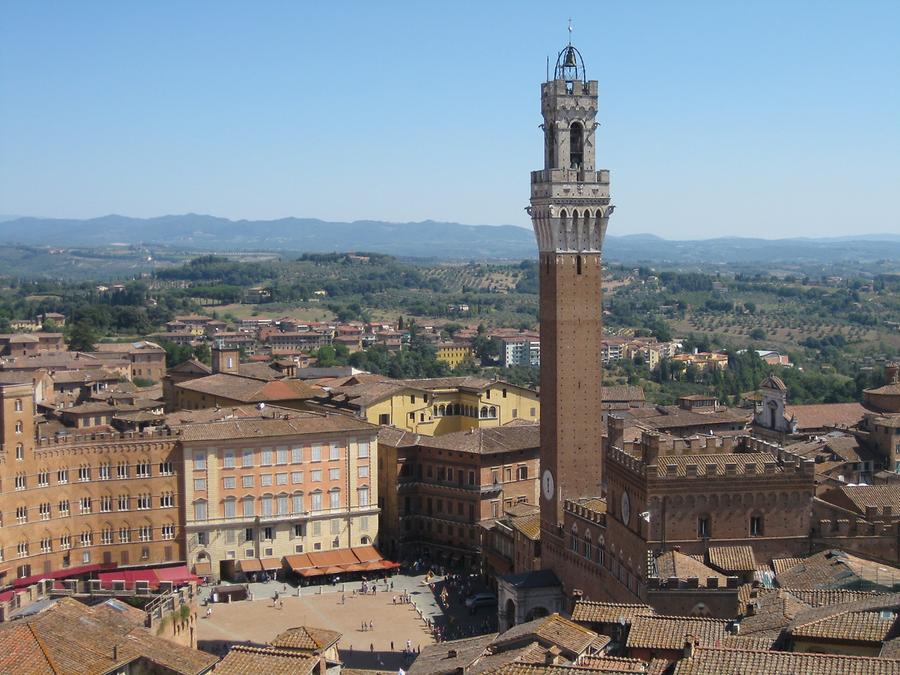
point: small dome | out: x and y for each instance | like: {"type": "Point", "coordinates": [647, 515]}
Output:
{"type": "Point", "coordinates": [773, 382]}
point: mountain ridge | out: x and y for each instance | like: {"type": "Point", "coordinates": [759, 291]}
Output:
{"type": "Point", "coordinates": [428, 239]}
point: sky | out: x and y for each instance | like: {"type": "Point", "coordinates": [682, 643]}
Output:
{"type": "Point", "coordinates": [764, 118]}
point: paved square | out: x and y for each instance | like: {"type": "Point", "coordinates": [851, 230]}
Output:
{"type": "Point", "coordinates": [259, 622]}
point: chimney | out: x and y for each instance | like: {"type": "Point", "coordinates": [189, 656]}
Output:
{"type": "Point", "coordinates": [689, 646]}
{"type": "Point", "coordinates": [651, 449]}
{"type": "Point", "coordinates": [451, 653]}
{"type": "Point", "coordinates": [552, 656]}
{"type": "Point", "coordinates": [116, 653]}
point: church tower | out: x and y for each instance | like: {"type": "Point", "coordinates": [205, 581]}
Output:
{"type": "Point", "coordinates": [569, 209]}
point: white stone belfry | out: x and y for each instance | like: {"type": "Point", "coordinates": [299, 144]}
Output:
{"type": "Point", "coordinates": [570, 198]}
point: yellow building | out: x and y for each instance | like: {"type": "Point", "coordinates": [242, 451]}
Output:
{"type": "Point", "coordinates": [259, 489]}
{"type": "Point", "coordinates": [433, 406]}
{"type": "Point", "coordinates": [703, 360]}
{"type": "Point", "coordinates": [454, 353]}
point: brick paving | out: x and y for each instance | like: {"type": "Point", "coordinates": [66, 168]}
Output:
{"type": "Point", "coordinates": [257, 621]}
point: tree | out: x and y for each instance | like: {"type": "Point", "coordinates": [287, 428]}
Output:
{"type": "Point", "coordinates": [82, 337]}
{"type": "Point", "coordinates": [757, 334]}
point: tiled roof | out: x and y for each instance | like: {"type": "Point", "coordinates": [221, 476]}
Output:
{"type": "Point", "coordinates": [773, 382]}
{"type": "Point", "coordinates": [862, 496]}
{"type": "Point", "coordinates": [838, 569]}
{"type": "Point", "coordinates": [732, 558]}
{"type": "Point", "coordinates": [670, 632]}
{"type": "Point", "coordinates": [533, 652]}
{"type": "Point", "coordinates": [782, 564]}
{"type": "Point", "coordinates": [822, 597]}
{"type": "Point", "coordinates": [295, 424]}
{"type": "Point", "coordinates": [851, 626]}
{"type": "Point", "coordinates": [487, 440]}
{"type": "Point", "coordinates": [618, 664]}
{"type": "Point", "coordinates": [712, 661]}
{"type": "Point", "coordinates": [397, 438]}
{"type": "Point", "coordinates": [677, 564]}
{"type": "Point", "coordinates": [306, 638]}
{"type": "Point", "coordinates": [242, 660]}
{"type": "Point", "coordinates": [821, 415]}
{"type": "Point", "coordinates": [108, 637]}
{"type": "Point", "coordinates": [529, 525]}
{"type": "Point", "coordinates": [771, 612]}
{"type": "Point", "coordinates": [608, 612]}
{"type": "Point", "coordinates": [248, 389]}
{"type": "Point", "coordinates": [447, 657]}
{"type": "Point", "coordinates": [739, 459]}
{"type": "Point", "coordinates": [550, 630]}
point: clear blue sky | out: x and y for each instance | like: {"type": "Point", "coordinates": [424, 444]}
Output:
{"type": "Point", "coordinates": [764, 118]}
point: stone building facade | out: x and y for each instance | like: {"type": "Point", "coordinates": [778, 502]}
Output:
{"type": "Point", "coordinates": [449, 487]}
{"type": "Point", "coordinates": [269, 487]}
{"type": "Point", "coordinates": [74, 501]}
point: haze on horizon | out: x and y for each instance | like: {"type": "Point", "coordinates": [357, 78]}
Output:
{"type": "Point", "coordinates": [766, 119]}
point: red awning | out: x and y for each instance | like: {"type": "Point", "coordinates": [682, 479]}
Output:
{"type": "Point", "coordinates": [250, 565]}
{"type": "Point", "coordinates": [311, 572]}
{"type": "Point", "coordinates": [270, 564]}
{"type": "Point", "coordinates": [178, 574]}
{"type": "Point", "coordinates": [366, 554]}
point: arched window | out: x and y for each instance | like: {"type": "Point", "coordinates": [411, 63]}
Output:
{"type": "Point", "coordinates": [586, 549]}
{"type": "Point", "coordinates": [484, 412]}
{"type": "Point", "coordinates": [441, 410]}
{"type": "Point", "coordinates": [493, 411]}
{"type": "Point", "coordinates": [574, 542]}
{"type": "Point", "coordinates": [601, 551]}
{"type": "Point", "coordinates": [576, 145]}
{"type": "Point", "coordinates": [19, 427]}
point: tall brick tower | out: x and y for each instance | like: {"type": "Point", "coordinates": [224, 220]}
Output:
{"type": "Point", "coordinates": [569, 209]}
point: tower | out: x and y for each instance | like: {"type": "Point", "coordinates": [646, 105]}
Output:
{"type": "Point", "coordinates": [569, 210]}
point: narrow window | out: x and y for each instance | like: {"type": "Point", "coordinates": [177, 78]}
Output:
{"type": "Point", "coordinates": [578, 264]}
{"type": "Point", "coordinates": [576, 145]}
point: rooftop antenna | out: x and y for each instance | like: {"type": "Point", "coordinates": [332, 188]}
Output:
{"type": "Point", "coordinates": [570, 31]}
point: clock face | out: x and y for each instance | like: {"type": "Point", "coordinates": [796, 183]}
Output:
{"type": "Point", "coordinates": [547, 485]}
{"type": "Point", "coordinates": [626, 508]}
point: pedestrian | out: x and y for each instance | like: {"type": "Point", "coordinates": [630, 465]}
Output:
{"type": "Point", "coordinates": [364, 626]}
{"type": "Point", "coordinates": [372, 647]}
{"type": "Point", "coordinates": [392, 645]}
{"type": "Point", "coordinates": [208, 612]}
{"type": "Point", "coordinates": [371, 624]}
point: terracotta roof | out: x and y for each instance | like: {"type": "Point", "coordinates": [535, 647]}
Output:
{"type": "Point", "coordinates": [397, 438]}
{"type": "Point", "coordinates": [487, 440]}
{"type": "Point", "coordinates": [838, 569]}
{"type": "Point", "coordinates": [242, 660]}
{"type": "Point", "coordinates": [739, 459]}
{"type": "Point", "coordinates": [297, 423]}
{"type": "Point", "coordinates": [732, 558]}
{"type": "Point", "coordinates": [821, 415]}
{"type": "Point", "coordinates": [191, 366]}
{"type": "Point", "coordinates": [669, 632]}
{"type": "Point", "coordinates": [303, 637]}
{"type": "Point", "coordinates": [617, 664]}
{"type": "Point", "coordinates": [771, 612]}
{"type": "Point", "coordinates": [713, 661]}
{"type": "Point", "coordinates": [532, 653]}
{"type": "Point", "coordinates": [888, 389]}
{"type": "Point", "coordinates": [127, 347]}
{"type": "Point", "coordinates": [248, 389]}
{"type": "Point", "coordinates": [108, 637]}
{"type": "Point", "coordinates": [859, 497]}
{"type": "Point", "coordinates": [782, 564]}
{"type": "Point", "coordinates": [822, 597]}
{"type": "Point", "coordinates": [550, 630]}
{"type": "Point", "coordinates": [587, 611]}
{"type": "Point", "coordinates": [850, 626]}
{"type": "Point", "coordinates": [529, 525]}
{"type": "Point", "coordinates": [677, 564]}
{"type": "Point", "coordinates": [447, 657]}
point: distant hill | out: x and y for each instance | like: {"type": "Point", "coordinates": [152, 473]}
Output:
{"type": "Point", "coordinates": [428, 239]}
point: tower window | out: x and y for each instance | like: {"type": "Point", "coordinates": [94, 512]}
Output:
{"type": "Point", "coordinates": [576, 145]}
{"type": "Point", "coordinates": [578, 264]}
